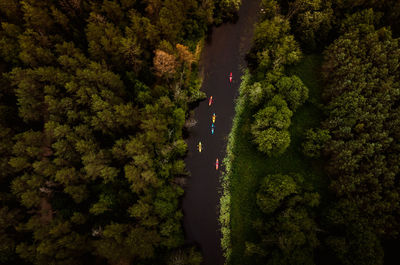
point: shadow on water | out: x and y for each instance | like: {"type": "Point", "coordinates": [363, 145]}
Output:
{"type": "Point", "coordinates": [232, 21]}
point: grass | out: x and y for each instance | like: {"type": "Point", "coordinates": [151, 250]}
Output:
{"type": "Point", "coordinates": [248, 166]}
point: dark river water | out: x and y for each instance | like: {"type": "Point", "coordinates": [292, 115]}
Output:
{"type": "Point", "coordinates": [223, 53]}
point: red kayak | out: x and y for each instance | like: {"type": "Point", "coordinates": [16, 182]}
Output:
{"type": "Point", "coordinates": [210, 101]}
{"type": "Point", "coordinates": [230, 78]}
{"type": "Point", "coordinates": [216, 164]}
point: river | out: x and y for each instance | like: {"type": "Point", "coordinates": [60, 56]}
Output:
{"type": "Point", "coordinates": [223, 53]}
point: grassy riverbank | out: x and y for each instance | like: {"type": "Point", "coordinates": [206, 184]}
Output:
{"type": "Point", "coordinates": [246, 165]}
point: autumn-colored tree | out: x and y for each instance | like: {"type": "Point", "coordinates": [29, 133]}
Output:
{"type": "Point", "coordinates": [164, 63]}
{"type": "Point", "coordinates": [184, 54]}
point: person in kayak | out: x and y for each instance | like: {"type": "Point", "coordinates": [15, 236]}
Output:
{"type": "Point", "coordinates": [210, 101]}
{"type": "Point", "coordinates": [213, 118]}
{"type": "Point", "coordinates": [216, 164]}
{"type": "Point", "coordinates": [199, 147]}
{"type": "Point", "coordinates": [230, 78]}
{"type": "Point", "coordinates": [212, 128]}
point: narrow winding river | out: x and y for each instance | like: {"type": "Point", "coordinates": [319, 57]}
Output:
{"type": "Point", "coordinates": [223, 53]}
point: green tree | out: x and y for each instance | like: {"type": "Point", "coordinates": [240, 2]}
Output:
{"type": "Point", "coordinates": [9, 219]}
{"type": "Point", "coordinates": [9, 48]}
{"type": "Point", "coordinates": [270, 125]}
{"type": "Point", "coordinates": [362, 96]}
{"type": "Point", "coordinates": [90, 103]}
{"type": "Point", "coordinates": [273, 47]}
{"type": "Point", "coordinates": [312, 22]}
{"type": "Point", "coordinates": [225, 10]}
{"type": "Point", "coordinates": [315, 141]}
{"type": "Point", "coordinates": [125, 243]}
{"type": "Point", "coordinates": [293, 91]}
{"type": "Point", "coordinates": [273, 190]}
{"type": "Point", "coordinates": [287, 231]}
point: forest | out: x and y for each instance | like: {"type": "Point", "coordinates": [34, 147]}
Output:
{"type": "Point", "coordinates": [94, 101]}
{"type": "Point", "coordinates": [312, 166]}
{"type": "Point", "coordinates": [97, 97]}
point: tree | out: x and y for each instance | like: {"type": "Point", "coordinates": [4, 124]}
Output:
{"type": "Point", "coordinates": [298, 5]}
{"type": "Point", "coordinates": [226, 10]}
{"type": "Point", "coordinates": [37, 15]}
{"type": "Point", "coordinates": [164, 63]}
{"type": "Point", "coordinates": [30, 96]}
{"type": "Point", "coordinates": [104, 39]}
{"type": "Point", "coordinates": [132, 51]}
{"type": "Point", "coordinates": [273, 47]}
{"type": "Point", "coordinates": [184, 54]}
{"type": "Point", "coordinates": [142, 30]}
{"type": "Point", "coordinates": [363, 248]}
{"type": "Point", "coordinates": [260, 92]}
{"type": "Point", "coordinates": [270, 8]}
{"type": "Point", "coordinates": [81, 78]}
{"type": "Point", "coordinates": [104, 204]}
{"type": "Point", "coordinates": [293, 91]}
{"type": "Point", "coordinates": [271, 141]}
{"type": "Point", "coordinates": [312, 21]}
{"type": "Point", "coordinates": [273, 190]}
{"type": "Point", "coordinates": [60, 246]}
{"type": "Point", "coordinates": [77, 192]}
{"type": "Point", "coordinates": [170, 20]}
{"type": "Point", "coordinates": [179, 121]}
{"type": "Point", "coordinates": [36, 49]}
{"type": "Point", "coordinates": [270, 125]}
{"type": "Point", "coordinates": [315, 141]}
{"type": "Point", "coordinates": [9, 47]}
{"type": "Point", "coordinates": [125, 243]}
{"type": "Point", "coordinates": [9, 219]}
{"type": "Point", "coordinates": [287, 231]}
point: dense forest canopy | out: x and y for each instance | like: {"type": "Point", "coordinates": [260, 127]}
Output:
{"type": "Point", "coordinates": [363, 123]}
{"type": "Point", "coordinates": [94, 97]}
{"type": "Point", "coordinates": [94, 101]}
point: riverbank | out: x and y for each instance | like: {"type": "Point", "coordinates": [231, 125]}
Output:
{"type": "Point", "coordinates": [245, 165]}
